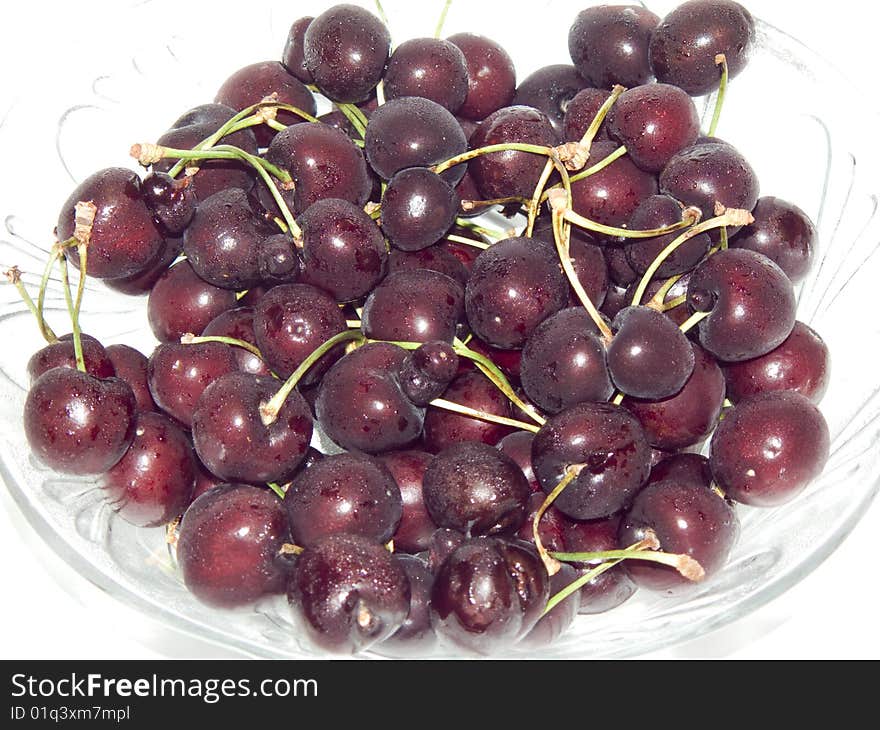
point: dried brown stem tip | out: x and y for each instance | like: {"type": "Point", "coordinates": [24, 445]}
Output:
{"type": "Point", "coordinates": [693, 214]}
{"type": "Point", "coordinates": [289, 548]}
{"type": "Point", "coordinates": [690, 568]}
{"type": "Point", "coordinates": [720, 59]}
{"type": "Point", "coordinates": [187, 338]}
{"type": "Point", "coordinates": [147, 153]}
{"type": "Point", "coordinates": [268, 113]}
{"type": "Point", "coordinates": [13, 274]}
{"type": "Point", "coordinates": [558, 198]}
{"type": "Point", "coordinates": [573, 155]}
{"type": "Point", "coordinates": [84, 219]}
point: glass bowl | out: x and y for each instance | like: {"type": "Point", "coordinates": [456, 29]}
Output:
{"type": "Point", "coordinates": [791, 114]}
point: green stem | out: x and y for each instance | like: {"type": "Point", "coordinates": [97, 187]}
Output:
{"type": "Point", "coordinates": [193, 340]}
{"type": "Point", "coordinates": [74, 319]}
{"type": "Point", "coordinates": [13, 275]}
{"type": "Point", "coordinates": [593, 129]}
{"type": "Point", "coordinates": [469, 205]}
{"type": "Point", "coordinates": [442, 20]}
{"type": "Point", "coordinates": [685, 564]}
{"type": "Point", "coordinates": [468, 241]}
{"type": "Point", "coordinates": [535, 203]}
{"type": "Point", "coordinates": [589, 225]}
{"type": "Point", "coordinates": [276, 488]}
{"type": "Point", "coordinates": [720, 60]}
{"type": "Point", "coordinates": [723, 239]}
{"type": "Point", "coordinates": [54, 255]}
{"type": "Point", "coordinates": [482, 415]}
{"type": "Point", "coordinates": [693, 320]}
{"type": "Point", "coordinates": [673, 303]}
{"type": "Point", "coordinates": [383, 17]}
{"type": "Point", "coordinates": [489, 149]}
{"type": "Point", "coordinates": [357, 120]}
{"type": "Point", "coordinates": [576, 585]}
{"type": "Point", "coordinates": [571, 473]}
{"type": "Point", "coordinates": [658, 299]}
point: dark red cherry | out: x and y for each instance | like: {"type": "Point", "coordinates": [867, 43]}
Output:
{"type": "Point", "coordinates": [361, 406]}
{"type": "Point", "coordinates": [416, 527]}
{"type": "Point", "coordinates": [557, 621]}
{"type": "Point", "coordinates": [620, 271]}
{"type": "Point", "coordinates": [551, 527]}
{"type": "Point", "coordinates": [238, 324]}
{"type": "Point", "coordinates": [293, 56]}
{"type": "Point", "coordinates": [173, 202]}
{"type": "Point", "coordinates": [418, 208]}
{"type": "Point", "coordinates": [344, 251]}
{"type": "Point", "coordinates": [514, 286]}
{"type": "Point", "coordinates": [800, 363]}
{"type": "Point", "coordinates": [769, 447]}
{"type": "Point", "coordinates": [689, 416]}
{"type": "Point", "coordinates": [143, 282]}
{"type": "Point", "coordinates": [76, 423]}
{"type": "Point", "coordinates": [609, 44]}
{"type": "Point", "coordinates": [413, 132]}
{"type": "Point", "coordinates": [427, 371]}
{"type": "Point", "coordinates": [428, 67]}
{"type": "Point", "coordinates": [253, 83]}
{"type": "Point", "coordinates": [685, 44]}
{"type": "Point", "coordinates": [290, 322]}
{"type": "Point", "coordinates": [783, 233]}
{"type": "Point", "coordinates": [518, 446]}
{"type": "Point", "coordinates": [610, 445]}
{"type": "Point", "coordinates": [683, 468]}
{"type": "Point", "coordinates": [563, 362]}
{"type": "Point", "coordinates": [345, 50]}
{"type": "Point", "coordinates": [444, 542]}
{"type": "Point", "coordinates": [750, 300]}
{"type": "Point", "coordinates": [475, 489]}
{"type": "Point", "coordinates": [416, 637]}
{"type": "Point", "coordinates": [550, 89]}
{"type": "Point", "coordinates": [508, 361]}
{"type": "Point", "coordinates": [181, 302]}
{"type": "Point", "coordinates": [124, 240]}
{"type": "Point", "coordinates": [434, 258]}
{"type": "Point", "coordinates": [131, 365]}
{"type": "Point", "coordinates": [491, 75]}
{"type": "Point", "coordinates": [511, 172]}
{"type": "Point", "coordinates": [678, 313]}
{"type": "Point", "coordinates": [229, 544]}
{"type": "Point", "coordinates": [153, 482]}
{"type": "Point", "coordinates": [581, 112]}
{"type": "Point", "coordinates": [348, 593]}
{"type": "Point", "coordinates": [62, 354]}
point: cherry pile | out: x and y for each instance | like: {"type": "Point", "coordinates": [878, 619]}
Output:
{"type": "Point", "coordinates": [519, 414]}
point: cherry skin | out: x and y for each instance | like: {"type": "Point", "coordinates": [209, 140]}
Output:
{"type": "Point", "coordinates": [491, 76]}
{"type": "Point", "coordinates": [344, 251]}
{"type": "Point", "coordinates": [581, 112]}
{"type": "Point", "coordinates": [750, 300]}
{"type": "Point", "coordinates": [346, 493]}
{"type": "Point", "coordinates": [181, 302]}
{"type": "Point", "coordinates": [433, 258]}
{"type": "Point", "coordinates": [550, 89]}
{"type": "Point", "coordinates": [348, 593]}
{"type": "Point", "coordinates": [660, 211]}
{"type": "Point", "coordinates": [76, 423]}
{"type": "Point", "coordinates": [430, 68]}
{"type": "Point", "coordinates": [683, 468]}
{"type": "Point", "coordinates": [611, 445]}
{"type": "Point", "coordinates": [418, 208]}
{"type": "Point", "coordinates": [360, 403]}
{"type": "Point", "coordinates": [518, 446]}
{"type": "Point", "coordinates": [290, 322]}
{"type": "Point", "coordinates": [143, 282]}
{"type": "Point", "coordinates": [556, 622]}
{"type": "Point", "coordinates": [293, 56]}
{"type": "Point", "coordinates": [345, 50]}
{"type": "Point", "coordinates": [229, 544]}
{"type": "Point", "coordinates": [800, 363]}
{"type": "Point", "coordinates": [513, 287]}
{"type": "Point", "coordinates": [153, 482]}
{"type": "Point", "coordinates": [131, 365]}
{"type": "Point", "coordinates": [784, 234]}
{"type": "Point", "coordinates": [416, 637]}
{"type": "Point", "coordinates": [173, 202]}
{"type": "Point", "coordinates": [609, 45]}
{"type": "Point", "coordinates": [587, 258]}
{"type": "Point", "coordinates": [475, 489]}
{"type": "Point", "coordinates": [62, 354]}
{"type": "Point", "coordinates": [238, 324]}
{"type": "Point", "coordinates": [563, 362]}
{"type": "Point", "coordinates": [124, 239]}
{"type": "Point", "coordinates": [685, 44]}
{"type": "Point", "coordinates": [427, 371]}
{"type": "Point", "coordinates": [413, 533]}
{"type": "Point", "coordinates": [769, 447]}
{"type": "Point", "coordinates": [234, 440]}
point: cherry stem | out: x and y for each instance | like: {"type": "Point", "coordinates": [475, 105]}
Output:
{"type": "Point", "coordinates": [54, 254]}
{"type": "Point", "coordinates": [693, 320]}
{"type": "Point", "coordinates": [688, 217]}
{"type": "Point", "coordinates": [442, 20]}
{"type": "Point", "coordinates": [592, 170]}
{"type": "Point", "coordinates": [279, 491]}
{"type": "Point", "coordinates": [489, 149]}
{"type": "Point", "coordinates": [74, 317]}
{"type": "Point", "coordinates": [657, 301]}
{"type": "Point", "coordinates": [381, 11]}
{"type": "Point", "coordinates": [289, 548]}
{"type": "Point", "coordinates": [571, 473]}
{"type": "Point", "coordinates": [684, 564]}
{"type": "Point", "coordinates": [468, 242]}
{"type": "Point", "coordinates": [723, 239]}
{"type": "Point", "coordinates": [618, 399]}
{"type": "Point", "coordinates": [191, 339]}
{"type": "Point", "coordinates": [673, 303]}
{"type": "Point", "coordinates": [728, 217]}
{"type": "Point", "coordinates": [482, 230]}
{"type": "Point", "coordinates": [720, 60]}
{"type": "Point", "coordinates": [356, 118]}
{"type": "Point", "coordinates": [354, 324]}
{"type": "Point", "coordinates": [534, 204]}
{"type": "Point", "coordinates": [482, 415]}
{"type": "Point", "coordinates": [13, 275]}
{"type": "Point", "coordinates": [269, 411]}
{"type": "Point", "coordinates": [469, 205]}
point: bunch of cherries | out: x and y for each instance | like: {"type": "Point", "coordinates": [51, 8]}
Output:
{"type": "Point", "coordinates": [518, 414]}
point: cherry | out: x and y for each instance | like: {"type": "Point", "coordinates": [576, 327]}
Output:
{"type": "Point", "coordinates": [433, 258]}
{"type": "Point", "coordinates": [62, 354]}
{"type": "Point", "coordinates": [178, 374]}
{"type": "Point", "coordinates": [131, 365]}
{"type": "Point", "coordinates": [428, 67]}
{"type": "Point", "coordinates": [581, 112]}
{"type": "Point", "coordinates": [679, 313]}
{"type": "Point", "coordinates": [204, 481]}
{"type": "Point", "coordinates": [345, 50]}
{"type": "Point", "coordinates": [750, 301]}
{"type": "Point", "coordinates": [555, 622]}
{"type": "Point", "coordinates": [475, 489]}
{"type": "Point", "coordinates": [513, 287]}
{"type": "Point", "coordinates": [587, 258]}
{"type": "Point", "coordinates": [609, 44]}
{"type": "Point", "coordinates": [413, 132]}
{"type": "Point", "coordinates": [611, 446]}
{"type": "Point", "coordinates": [689, 416]}
{"type": "Point", "coordinates": [229, 544]}
{"type": "Point", "coordinates": [769, 447]}
{"type": "Point", "coordinates": [346, 493]}
{"type": "Point", "coordinates": [173, 202]}
{"type": "Point", "coordinates": [563, 362]}
{"type": "Point", "coordinates": [683, 468]}
{"type": "Point", "coordinates": [323, 163]}
{"type": "Point", "coordinates": [360, 403]}
{"type": "Point", "coordinates": [293, 56]}
{"type": "Point", "coordinates": [518, 446]}
{"type": "Point", "coordinates": [491, 75]}
{"type": "Point", "coordinates": [238, 324]}
{"type": "Point", "coordinates": [620, 271]}
{"type": "Point", "coordinates": [800, 363]}
{"type": "Point", "coordinates": [427, 371]}
{"type": "Point", "coordinates": [783, 233]}
{"type": "Point", "coordinates": [416, 527]}
{"type": "Point", "coordinates": [153, 482]}
{"type": "Point", "coordinates": [181, 302]}
{"type": "Point", "coordinates": [348, 593]}
{"type": "Point", "coordinates": [511, 172]}
{"type": "Point", "coordinates": [649, 357]}
{"type": "Point", "coordinates": [290, 322]}
{"type": "Point", "coordinates": [344, 252]}
{"type": "Point", "coordinates": [685, 44]}
{"type": "Point", "coordinates": [686, 519]}
{"type": "Point", "coordinates": [415, 637]}
{"type": "Point", "coordinates": [508, 361]}
{"type": "Point", "coordinates": [418, 208]}
{"type": "Point", "coordinates": [551, 527]}
{"type": "Point", "coordinates": [237, 443]}
{"type": "Point", "coordinates": [253, 83]}
{"type": "Point", "coordinates": [550, 89]}
{"type": "Point", "coordinates": [654, 122]}
{"type": "Point", "coordinates": [124, 239]}
{"type": "Point", "coordinates": [444, 542]}
{"type": "Point", "coordinates": [143, 282]}
{"type": "Point", "coordinates": [444, 428]}
{"type": "Point", "coordinates": [414, 306]}
{"type": "Point", "coordinates": [76, 423]}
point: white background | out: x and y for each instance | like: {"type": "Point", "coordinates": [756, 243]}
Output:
{"type": "Point", "coordinates": [47, 611]}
